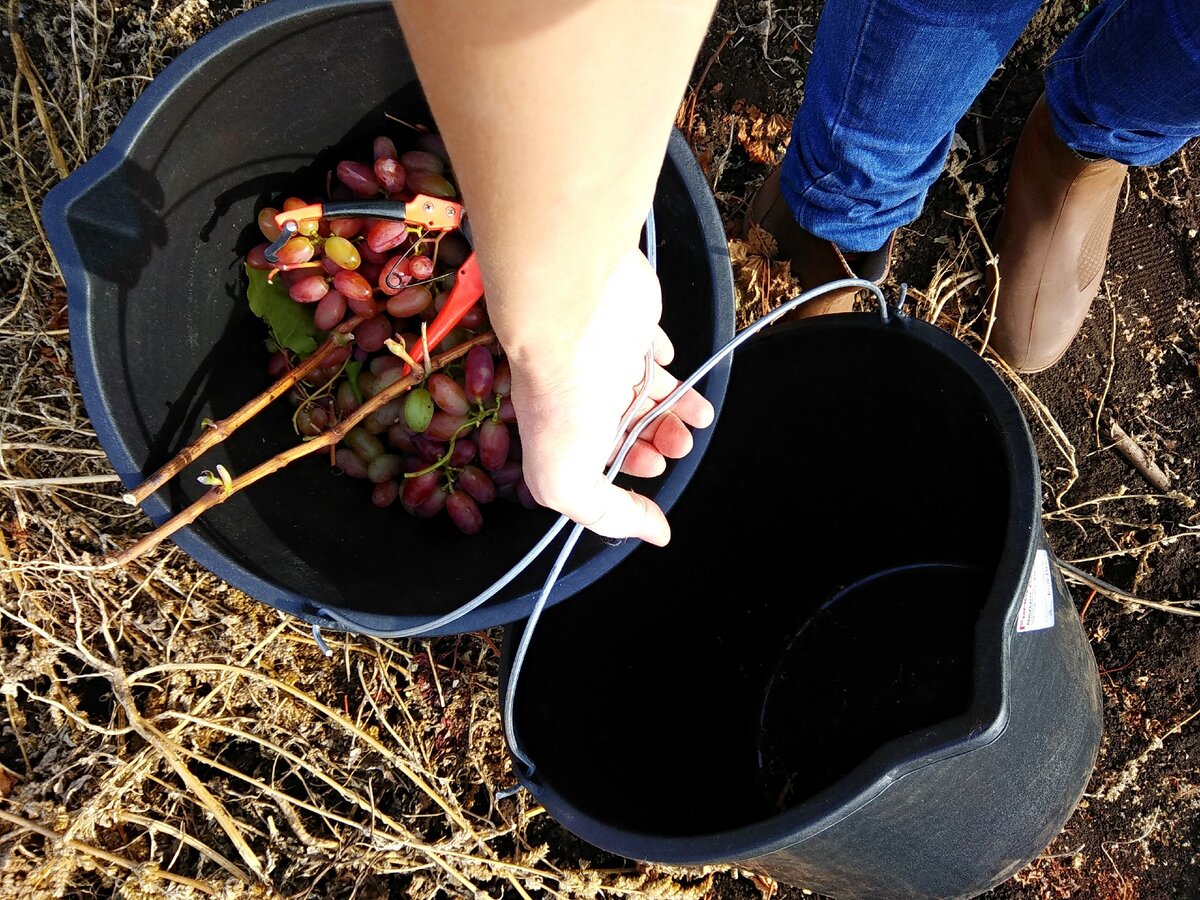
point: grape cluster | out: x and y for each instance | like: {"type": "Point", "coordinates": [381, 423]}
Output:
{"type": "Point", "coordinates": [448, 444]}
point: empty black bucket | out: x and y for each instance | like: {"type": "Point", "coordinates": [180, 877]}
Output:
{"type": "Point", "coordinates": [855, 668]}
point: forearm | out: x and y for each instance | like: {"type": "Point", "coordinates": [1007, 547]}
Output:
{"type": "Point", "coordinates": [556, 116]}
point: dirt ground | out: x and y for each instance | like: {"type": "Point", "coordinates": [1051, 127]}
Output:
{"type": "Point", "coordinates": [164, 735]}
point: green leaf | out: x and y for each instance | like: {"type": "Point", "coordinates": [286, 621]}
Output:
{"type": "Point", "coordinates": [291, 323]}
{"type": "Point", "coordinates": [353, 367]}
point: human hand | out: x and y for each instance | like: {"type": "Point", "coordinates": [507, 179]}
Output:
{"type": "Point", "coordinates": [570, 392]}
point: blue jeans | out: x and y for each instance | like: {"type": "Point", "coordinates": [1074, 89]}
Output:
{"type": "Point", "coordinates": [890, 79]}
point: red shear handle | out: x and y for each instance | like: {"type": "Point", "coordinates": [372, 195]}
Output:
{"type": "Point", "coordinates": [468, 288]}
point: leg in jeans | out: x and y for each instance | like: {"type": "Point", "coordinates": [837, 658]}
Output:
{"type": "Point", "coordinates": [1124, 89]}
{"type": "Point", "coordinates": [1126, 83]}
{"type": "Point", "coordinates": [888, 83]}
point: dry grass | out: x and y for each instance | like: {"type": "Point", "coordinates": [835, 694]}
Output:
{"type": "Point", "coordinates": [165, 735]}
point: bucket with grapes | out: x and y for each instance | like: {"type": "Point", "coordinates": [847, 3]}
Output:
{"type": "Point", "coordinates": [309, 427]}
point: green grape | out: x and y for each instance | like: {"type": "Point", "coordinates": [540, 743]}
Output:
{"type": "Point", "coordinates": [418, 410]}
{"type": "Point", "coordinates": [342, 252]}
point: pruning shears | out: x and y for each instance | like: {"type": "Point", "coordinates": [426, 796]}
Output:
{"type": "Point", "coordinates": [430, 213]}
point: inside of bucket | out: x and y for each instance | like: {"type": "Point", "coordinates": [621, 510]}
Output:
{"type": "Point", "coordinates": [818, 598]}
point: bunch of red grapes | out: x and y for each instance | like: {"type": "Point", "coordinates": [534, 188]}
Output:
{"type": "Point", "coordinates": [448, 444]}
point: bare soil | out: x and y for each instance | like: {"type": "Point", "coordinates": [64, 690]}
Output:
{"type": "Point", "coordinates": [164, 735]}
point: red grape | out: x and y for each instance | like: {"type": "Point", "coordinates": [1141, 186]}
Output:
{"type": "Point", "coordinates": [508, 474]}
{"type": "Point", "coordinates": [476, 482]}
{"type": "Point", "coordinates": [443, 426]}
{"type": "Point", "coordinates": [384, 148]}
{"type": "Point", "coordinates": [502, 378]}
{"type": "Point", "coordinates": [384, 493]}
{"type": "Point", "coordinates": [387, 377]}
{"type": "Point", "coordinates": [390, 174]}
{"type": "Point", "coordinates": [266, 223]}
{"type": "Point", "coordinates": [298, 250]}
{"type": "Point", "coordinates": [428, 449]}
{"type": "Point", "coordinates": [370, 255]}
{"type": "Point", "coordinates": [330, 311]}
{"type": "Point", "coordinates": [353, 286]}
{"type": "Point", "coordinates": [347, 402]}
{"type": "Point", "coordinates": [346, 227]}
{"type": "Point", "coordinates": [464, 451]}
{"type": "Point", "coordinates": [362, 442]}
{"type": "Point", "coordinates": [383, 362]}
{"type": "Point", "coordinates": [394, 275]}
{"type": "Point", "coordinates": [336, 357]}
{"type": "Point", "coordinates": [433, 504]}
{"type": "Point", "coordinates": [367, 308]}
{"type": "Point", "coordinates": [385, 467]}
{"type": "Point", "coordinates": [359, 178]}
{"type": "Point", "coordinates": [464, 512]}
{"type": "Point", "coordinates": [480, 371]}
{"type": "Point", "coordinates": [422, 161]}
{"type": "Point", "coordinates": [308, 289]}
{"type": "Point", "coordinates": [385, 417]}
{"type": "Point", "coordinates": [421, 267]}
{"type": "Point", "coordinates": [386, 234]}
{"type": "Point", "coordinates": [431, 142]}
{"type": "Point", "coordinates": [373, 333]}
{"type": "Point", "coordinates": [448, 394]}
{"type": "Point", "coordinates": [494, 439]}
{"type": "Point", "coordinates": [278, 363]}
{"type": "Point", "coordinates": [350, 463]}
{"type": "Point", "coordinates": [409, 301]}
{"type": "Point", "coordinates": [417, 489]}
{"type": "Point", "coordinates": [474, 318]}
{"type": "Point", "coordinates": [401, 438]}
{"type": "Point", "coordinates": [257, 258]}
{"type": "Point", "coordinates": [370, 271]}
{"type": "Point", "coordinates": [435, 185]}
{"type": "Point", "coordinates": [291, 276]}
{"type": "Point", "coordinates": [524, 495]}
{"type": "Point", "coordinates": [311, 420]}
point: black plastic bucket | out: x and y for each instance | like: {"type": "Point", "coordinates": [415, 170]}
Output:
{"type": "Point", "coordinates": [150, 234]}
{"type": "Point", "coordinates": [855, 668]}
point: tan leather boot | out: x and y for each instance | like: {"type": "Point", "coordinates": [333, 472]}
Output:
{"type": "Point", "coordinates": [1052, 244]}
{"type": "Point", "coordinates": [814, 261]}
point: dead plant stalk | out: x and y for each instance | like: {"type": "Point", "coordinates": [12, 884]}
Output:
{"type": "Point", "coordinates": [217, 432]}
{"type": "Point", "coordinates": [222, 492]}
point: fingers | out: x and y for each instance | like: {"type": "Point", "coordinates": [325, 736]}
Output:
{"type": "Point", "coordinates": [664, 350]}
{"type": "Point", "coordinates": [644, 461]}
{"type": "Point", "coordinates": [668, 435]}
{"type": "Point", "coordinates": [692, 408]}
{"type": "Point", "coordinates": [613, 512]}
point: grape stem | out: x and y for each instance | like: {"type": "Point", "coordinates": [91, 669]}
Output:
{"type": "Point", "coordinates": [473, 422]}
{"type": "Point", "coordinates": [220, 493]}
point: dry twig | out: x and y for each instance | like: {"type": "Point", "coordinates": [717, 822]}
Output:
{"type": "Point", "coordinates": [216, 432]}
{"type": "Point", "coordinates": [230, 486]}
{"type": "Point", "coordinates": [1136, 456]}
